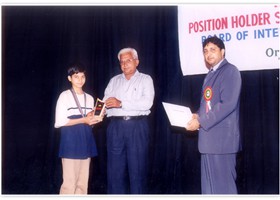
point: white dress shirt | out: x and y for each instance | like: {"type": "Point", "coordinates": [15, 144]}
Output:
{"type": "Point", "coordinates": [136, 94]}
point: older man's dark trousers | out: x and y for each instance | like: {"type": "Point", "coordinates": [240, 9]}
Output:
{"type": "Point", "coordinates": [127, 155]}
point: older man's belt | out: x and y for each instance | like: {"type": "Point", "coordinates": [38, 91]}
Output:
{"type": "Point", "coordinates": [128, 117]}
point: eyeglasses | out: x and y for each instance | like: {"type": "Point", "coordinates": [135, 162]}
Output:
{"type": "Point", "coordinates": [128, 61]}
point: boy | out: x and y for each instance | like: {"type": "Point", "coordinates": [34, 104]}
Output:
{"type": "Point", "coordinates": [77, 144]}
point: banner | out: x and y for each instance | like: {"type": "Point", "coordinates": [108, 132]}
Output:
{"type": "Point", "coordinates": [250, 33]}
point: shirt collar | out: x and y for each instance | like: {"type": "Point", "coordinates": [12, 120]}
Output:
{"type": "Point", "coordinates": [216, 66]}
{"type": "Point", "coordinates": [134, 75]}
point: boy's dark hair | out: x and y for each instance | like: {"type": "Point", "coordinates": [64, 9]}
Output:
{"type": "Point", "coordinates": [76, 68]}
{"type": "Point", "coordinates": [215, 40]}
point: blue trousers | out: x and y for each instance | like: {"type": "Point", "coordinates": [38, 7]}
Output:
{"type": "Point", "coordinates": [218, 173]}
{"type": "Point", "coordinates": [127, 156]}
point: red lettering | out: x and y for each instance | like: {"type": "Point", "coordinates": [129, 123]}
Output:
{"type": "Point", "coordinates": [277, 15]}
{"type": "Point", "coordinates": [250, 20]}
{"type": "Point", "coordinates": [190, 27]}
{"type": "Point", "coordinates": [255, 19]}
{"type": "Point", "coordinates": [208, 25]}
{"type": "Point", "coordinates": [266, 17]}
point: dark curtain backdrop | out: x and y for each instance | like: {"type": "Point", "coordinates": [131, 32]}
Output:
{"type": "Point", "coordinates": [38, 43]}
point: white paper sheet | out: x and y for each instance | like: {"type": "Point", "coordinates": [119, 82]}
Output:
{"type": "Point", "coordinates": [178, 115]}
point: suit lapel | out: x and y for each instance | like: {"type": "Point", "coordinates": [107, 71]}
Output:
{"type": "Point", "coordinates": [213, 74]}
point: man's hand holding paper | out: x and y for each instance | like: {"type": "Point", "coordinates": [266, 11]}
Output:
{"type": "Point", "coordinates": [193, 124]}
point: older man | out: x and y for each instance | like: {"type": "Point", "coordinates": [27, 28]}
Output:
{"type": "Point", "coordinates": [128, 97]}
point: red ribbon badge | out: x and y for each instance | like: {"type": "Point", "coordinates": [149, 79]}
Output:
{"type": "Point", "coordinates": [208, 94]}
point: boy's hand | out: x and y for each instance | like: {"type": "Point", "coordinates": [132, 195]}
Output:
{"type": "Point", "coordinates": [92, 119]}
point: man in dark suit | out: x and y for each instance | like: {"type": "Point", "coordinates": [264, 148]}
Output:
{"type": "Point", "coordinates": [218, 121]}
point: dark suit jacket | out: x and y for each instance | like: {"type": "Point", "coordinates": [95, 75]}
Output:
{"type": "Point", "coordinates": [219, 131]}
